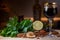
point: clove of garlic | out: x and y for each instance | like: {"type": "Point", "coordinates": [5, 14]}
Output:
{"type": "Point", "coordinates": [30, 35]}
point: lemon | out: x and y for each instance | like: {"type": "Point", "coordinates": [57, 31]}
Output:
{"type": "Point", "coordinates": [37, 25]}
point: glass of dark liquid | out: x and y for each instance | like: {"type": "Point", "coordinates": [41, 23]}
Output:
{"type": "Point", "coordinates": [50, 10]}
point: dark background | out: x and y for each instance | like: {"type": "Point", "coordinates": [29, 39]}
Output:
{"type": "Point", "coordinates": [25, 7]}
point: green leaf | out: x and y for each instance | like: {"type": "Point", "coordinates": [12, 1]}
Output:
{"type": "Point", "coordinates": [25, 30]}
{"type": "Point", "coordinates": [14, 33]}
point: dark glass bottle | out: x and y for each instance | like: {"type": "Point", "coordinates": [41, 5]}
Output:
{"type": "Point", "coordinates": [37, 10]}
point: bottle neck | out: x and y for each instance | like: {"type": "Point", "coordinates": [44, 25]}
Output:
{"type": "Point", "coordinates": [36, 1]}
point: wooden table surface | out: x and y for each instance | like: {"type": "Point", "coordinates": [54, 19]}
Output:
{"type": "Point", "coordinates": [40, 38]}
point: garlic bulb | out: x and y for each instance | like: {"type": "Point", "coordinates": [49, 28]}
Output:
{"type": "Point", "coordinates": [30, 34]}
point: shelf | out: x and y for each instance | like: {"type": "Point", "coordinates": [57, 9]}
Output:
{"type": "Point", "coordinates": [44, 18]}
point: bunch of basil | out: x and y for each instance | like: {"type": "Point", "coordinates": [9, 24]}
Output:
{"type": "Point", "coordinates": [11, 28]}
{"type": "Point", "coordinates": [25, 26]}
{"type": "Point", "coordinates": [14, 27]}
